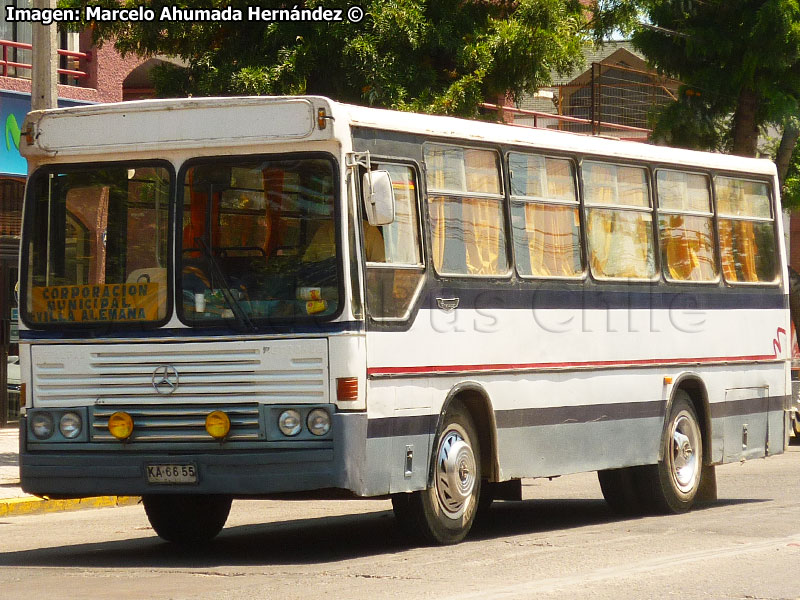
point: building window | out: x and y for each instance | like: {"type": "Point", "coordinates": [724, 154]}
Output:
{"type": "Point", "coordinates": [21, 32]}
{"type": "Point", "coordinates": [11, 193]}
{"type": "Point", "coordinates": [16, 32]}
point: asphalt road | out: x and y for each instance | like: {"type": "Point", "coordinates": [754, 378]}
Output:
{"type": "Point", "coordinates": [561, 542]}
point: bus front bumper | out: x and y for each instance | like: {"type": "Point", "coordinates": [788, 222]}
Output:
{"type": "Point", "coordinates": [85, 472]}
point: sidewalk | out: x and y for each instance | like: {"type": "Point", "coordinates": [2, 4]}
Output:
{"type": "Point", "coordinates": [13, 501]}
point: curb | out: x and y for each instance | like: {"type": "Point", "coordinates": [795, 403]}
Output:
{"type": "Point", "coordinates": [30, 505]}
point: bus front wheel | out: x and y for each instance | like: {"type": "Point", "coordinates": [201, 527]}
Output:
{"type": "Point", "coordinates": [445, 512]}
{"type": "Point", "coordinates": [671, 485]}
{"type": "Point", "coordinates": [187, 519]}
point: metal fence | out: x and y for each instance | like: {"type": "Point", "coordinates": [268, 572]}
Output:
{"type": "Point", "coordinates": [14, 55]}
{"type": "Point", "coordinates": [608, 99]}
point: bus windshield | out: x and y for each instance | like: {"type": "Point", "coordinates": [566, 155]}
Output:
{"type": "Point", "coordinates": [258, 241]}
{"type": "Point", "coordinates": [97, 245]}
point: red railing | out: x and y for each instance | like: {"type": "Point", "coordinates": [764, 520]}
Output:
{"type": "Point", "coordinates": [547, 120]}
{"type": "Point", "coordinates": [6, 64]}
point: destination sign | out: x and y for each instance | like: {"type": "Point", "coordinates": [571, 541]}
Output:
{"type": "Point", "coordinates": [116, 302]}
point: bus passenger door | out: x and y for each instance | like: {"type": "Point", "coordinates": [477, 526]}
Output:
{"type": "Point", "coordinates": [395, 276]}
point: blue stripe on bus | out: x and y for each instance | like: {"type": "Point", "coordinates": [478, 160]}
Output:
{"type": "Point", "coordinates": [476, 298]}
{"type": "Point", "coordinates": [103, 333]}
{"type": "Point", "coordinates": [570, 415]}
{"type": "Point", "coordinates": [578, 298]}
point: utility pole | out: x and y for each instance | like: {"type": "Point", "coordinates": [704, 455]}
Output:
{"type": "Point", "coordinates": [44, 79]}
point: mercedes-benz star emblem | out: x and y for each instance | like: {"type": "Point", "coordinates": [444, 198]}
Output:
{"type": "Point", "coordinates": [165, 379]}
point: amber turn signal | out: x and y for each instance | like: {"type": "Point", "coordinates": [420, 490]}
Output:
{"type": "Point", "coordinates": [218, 425]}
{"type": "Point", "coordinates": [120, 424]}
{"type": "Point", "coordinates": [347, 389]}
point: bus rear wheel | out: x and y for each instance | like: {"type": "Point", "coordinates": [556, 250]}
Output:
{"type": "Point", "coordinates": [444, 512]}
{"type": "Point", "coordinates": [185, 518]}
{"type": "Point", "coordinates": [672, 485]}
{"type": "Point", "coordinates": [620, 489]}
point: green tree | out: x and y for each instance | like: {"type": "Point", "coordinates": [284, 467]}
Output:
{"type": "Point", "coordinates": [739, 61]}
{"type": "Point", "coordinates": [443, 56]}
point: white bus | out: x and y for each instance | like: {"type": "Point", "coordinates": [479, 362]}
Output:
{"type": "Point", "coordinates": [244, 297]}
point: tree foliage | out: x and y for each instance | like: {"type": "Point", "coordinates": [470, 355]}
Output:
{"type": "Point", "coordinates": [739, 61]}
{"type": "Point", "coordinates": [443, 56]}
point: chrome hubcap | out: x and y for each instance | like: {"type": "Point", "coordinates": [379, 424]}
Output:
{"type": "Point", "coordinates": [684, 456]}
{"type": "Point", "coordinates": [455, 474]}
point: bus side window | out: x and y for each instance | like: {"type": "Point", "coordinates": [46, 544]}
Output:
{"type": "Point", "coordinates": [395, 268]}
{"type": "Point", "coordinates": [619, 221]}
{"type": "Point", "coordinates": [544, 216]}
{"type": "Point", "coordinates": [746, 231]}
{"type": "Point", "coordinates": [465, 202]}
{"type": "Point", "coordinates": [686, 226]}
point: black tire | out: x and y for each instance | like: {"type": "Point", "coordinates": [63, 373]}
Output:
{"type": "Point", "coordinates": [485, 501]}
{"type": "Point", "coordinates": [620, 489]}
{"type": "Point", "coordinates": [402, 512]}
{"type": "Point", "coordinates": [187, 519]}
{"type": "Point", "coordinates": [444, 513]}
{"type": "Point", "coordinates": [671, 486]}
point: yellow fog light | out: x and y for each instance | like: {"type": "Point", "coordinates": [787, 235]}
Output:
{"type": "Point", "coordinates": [218, 424]}
{"type": "Point", "coordinates": [120, 424]}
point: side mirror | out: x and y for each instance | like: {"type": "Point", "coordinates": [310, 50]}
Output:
{"type": "Point", "coordinates": [378, 197]}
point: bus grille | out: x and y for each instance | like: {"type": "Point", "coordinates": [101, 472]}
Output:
{"type": "Point", "coordinates": [263, 372]}
{"type": "Point", "coordinates": [178, 423]}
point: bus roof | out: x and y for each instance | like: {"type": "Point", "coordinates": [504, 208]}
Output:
{"type": "Point", "coordinates": [233, 121]}
{"type": "Point", "coordinates": [548, 139]}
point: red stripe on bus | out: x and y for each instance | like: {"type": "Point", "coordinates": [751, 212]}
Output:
{"type": "Point", "coordinates": [562, 365]}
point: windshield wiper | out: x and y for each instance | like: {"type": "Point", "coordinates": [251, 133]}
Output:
{"type": "Point", "coordinates": [233, 303]}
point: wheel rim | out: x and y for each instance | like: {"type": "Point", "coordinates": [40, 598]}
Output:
{"type": "Point", "coordinates": [684, 453]}
{"type": "Point", "coordinates": [455, 474]}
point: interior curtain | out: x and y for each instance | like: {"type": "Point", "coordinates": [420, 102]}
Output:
{"type": "Point", "coordinates": [550, 239]}
{"type": "Point", "coordinates": [482, 231]}
{"type": "Point", "coordinates": [737, 242]}
{"type": "Point", "coordinates": [681, 260]}
{"type": "Point", "coordinates": [602, 184]}
{"type": "Point", "coordinates": [481, 172]}
{"type": "Point", "coordinates": [400, 236]}
{"type": "Point", "coordinates": [438, 231]}
{"type": "Point", "coordinates": [198, 205]}
{"type": "Point", "coordinates": [726, 250]}
{"type": "Point", "coordinates": [273, 185]}
{"type": "Point", "coordinates": [688, 247]}
{"type": "Point", "coordinates": [746, 242]}
{"type": "Point", "coordinates": [599, 238]}
{"type": "Point", "coordinates": [620, 244]}
{"type": "Point", "coordinates": [560, 184]}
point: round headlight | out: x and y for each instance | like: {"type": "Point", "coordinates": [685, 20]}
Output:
{"type": "Point", "coordinates": [70, 425]}
{"type": "Point", "coordinates": [218, 425]}
{"type": "Point", "coordinates": [319, 421]}
{"type": "Point", "coordinates": [290, 422]}
{"type": "Point", "coordinates": [120, 424]}
{"type": "Point", "coordinates": [42, 425]}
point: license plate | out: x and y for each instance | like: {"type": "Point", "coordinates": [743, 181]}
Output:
{"type": "Point", "coordinates": [171, 474]}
